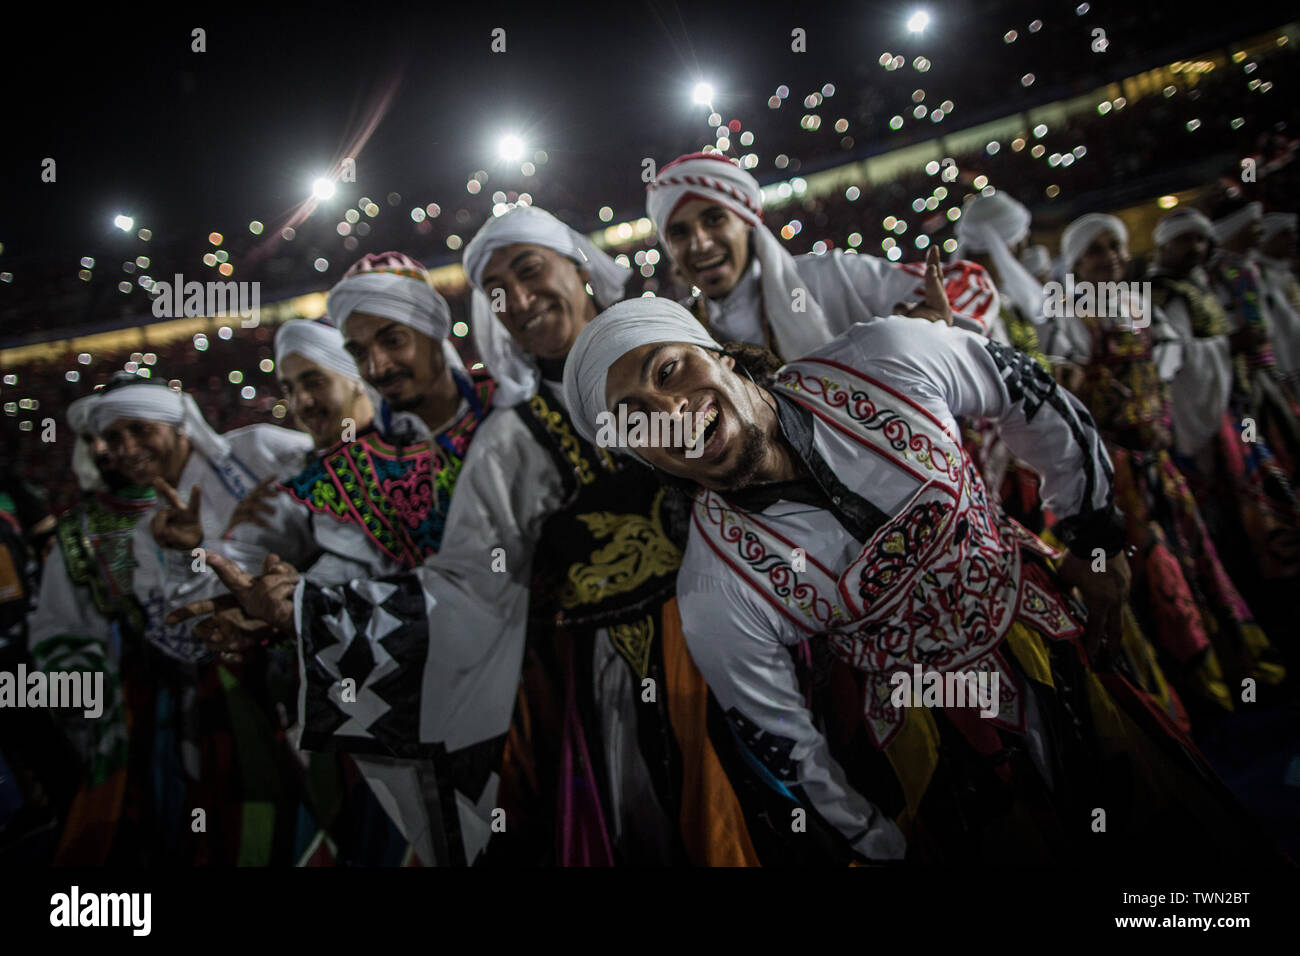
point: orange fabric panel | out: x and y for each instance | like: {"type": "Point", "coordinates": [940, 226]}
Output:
{"type": "Point", "coordinates": [712, 823]}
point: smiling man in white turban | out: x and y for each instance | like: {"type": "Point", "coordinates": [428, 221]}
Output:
{"type": "Point", "coordinates": [110, 586]}
{"type": "Point", "coordinates": [1248, 497]}
{"type": "Point", "coordinates": [832, 502]}
{"type": "Point", "coordinates": [157, 437]}
{"type": "Point", "coordinates": [1132, 357]}
{"type": "Point", "coordinates": [372, 501]}
{"type": "Point", "coordinates": [709, 217]}
{"type": "Point", "coordinates": [534, 505]}
{"type": "Point", "coordinates": [330, 401]}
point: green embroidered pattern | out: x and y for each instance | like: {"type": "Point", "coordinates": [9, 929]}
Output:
{"type": "Point", "coordinates": [1024, 336]}
{"type": "Point", "coordinates": [97, 543]}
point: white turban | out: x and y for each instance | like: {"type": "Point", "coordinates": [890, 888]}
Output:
{"type": "Point", "coordinates": [158, 403]}
{"type": "Point", "coordinates": [992, 225]}
{"type": "Point", "coordinates": [1233, 223]}
{"type": "Point", "coordinates": [401, 297]}
{"type": "Point", "coordinates": [610, 336]}
{"type": "Point", "coordinates": [1079, 235]}
{"type": "Point", "coordinates": [83, 456]}
{"type": "Point", "coordinates": [717, 179]}
{"type": "Point", "coordinates": [1276, 222]}
{"type": "Point", "coordinates": [516, 372]}
{"type": "Point", "coordinates": [395, 287]}
{"type": "Point", "coordinates": [1180, 222]}
{"type": "Point", "coordinates": [1036, 259]}
{"type": "Point", "coordinates": [316, 342]}
{"type": "Point", "coordinates": [79, 413]}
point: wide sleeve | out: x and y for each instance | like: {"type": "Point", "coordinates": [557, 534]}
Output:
{"type": "Point", "coordinates": [861, 288]}
{"type": "Point", "coordinates": [446, 639]}
{"type": "Point", "coordinates": [958, 374]}
{"type": "Point", "coordinates": [1202, 385]}
{"type": "Point", "coordinates": [288, 533]}
{"type": "Point", "coordinates": [736, 646]}
{"type": "Point", "coordinates": [270, 450]}
{"type": "Point", "coordinates": [63, 609]}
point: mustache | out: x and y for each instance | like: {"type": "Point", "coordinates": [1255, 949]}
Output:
{"type": "Point", "coordinates": [390, 378]}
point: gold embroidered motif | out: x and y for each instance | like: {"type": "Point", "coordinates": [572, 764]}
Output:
{"type": "Point", "coordinates": [633, 642]}
{"type": "Point", "coordinates": [638, 551]}
{"type": "Point", "coordinates": [557, 426]}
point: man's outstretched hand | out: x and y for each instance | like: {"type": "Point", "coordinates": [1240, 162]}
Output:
{"type": "Point", "coordinates": [265, 603]}
{"type": "Point", "coordinates": [935, 308]}
{"type": "Point", "coordinates": [255, 508]}
{"type": "Point", "coordinates": [177, 526]}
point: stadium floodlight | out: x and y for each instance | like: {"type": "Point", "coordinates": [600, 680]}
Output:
{"type": "Point", "coordinates": [918, 21]}
{"type": "Point", "coordinates": [322, 188]}
{"type": "Point", "coordinates": [123, 222]}
{"type": "Point", "coordinates": [703, 94]}
{"type": "Point", "coordinates": [510, 148]}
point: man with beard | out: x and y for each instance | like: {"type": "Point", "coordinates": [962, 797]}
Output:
{"type": "Point", "coordinates": [832, 501]}
{"type": "Point", "coordinates": [547, 527]}
{"type": "Point", "coordinates": [1247, 497]}
{"type": "Point", "coordinates": [1186, 601]}
{"type": "Point", "coordinates": [104, 593]}
{"type": "Point", "coordinates": [372, 504]}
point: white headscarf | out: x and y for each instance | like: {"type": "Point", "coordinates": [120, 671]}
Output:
{"type": "Point", "coordinates": [718, 179]}
{"type": "Point", "coordinates": [516, 371]}
{"type": "Point", "coordinates": [992, 225]}
{"type": "Point", "coordinates": [1080, 234]}
{"type": "Point", "coordinates": [83, 456]}
{"type": "Point", "coordinates": [1036, 259]}
{"type": "Point", "coordinates": [79, 413]}
{"type": "Point", "coordinates": [609, 337]}
{"type": "Point", "coordinates": [158, 403]}
{"type": "Point", "coordinates": [316, 342]}
{"type": "Point", "coordinates": [394, 286]}
{"type": "Point", "coordinates": [1233, 223]}
{"type": "Point", "coordinates": [1180, 222]}
{"type": "Point", "coordinates": [1275, 222]}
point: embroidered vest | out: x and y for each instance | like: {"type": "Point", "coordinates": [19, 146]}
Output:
{"type": "Point", "coordinates": [97, 540]}
{"type": "Point", "coordinates": [398, 495]}
{"type": "Point", "coordinates": [1122, 388]}
{"type": "Point", "coordinates": [938, 585]}
{"type": "Point", "coordinates": [605, 558]}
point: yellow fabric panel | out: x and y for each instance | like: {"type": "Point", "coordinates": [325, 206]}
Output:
{"type": "Point", "coordinates": [1030, 651]}
{"type": "Point", "coordinates": [914, 753]}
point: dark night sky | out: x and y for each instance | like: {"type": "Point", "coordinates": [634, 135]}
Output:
{"type": "Point", "coordinates": [189, 142]}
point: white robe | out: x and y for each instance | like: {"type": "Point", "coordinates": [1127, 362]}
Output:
{"type": "Point", "coordinates": [1200, 375]}
{"type": "Point", "coordinates": [849, 288]}
{"type": "Point", "coordinates": [507, 487]}
{"type": "Point", "coordinates": [476, 591]}
{"type": "Point", "coordinates": [166, 579]}
{"type": "Point", "coordinates": [329, 552]}
{"type": "Point", "coordinates": [162, 579]}
{"type": "Point", "coordinates": [739, 640]}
